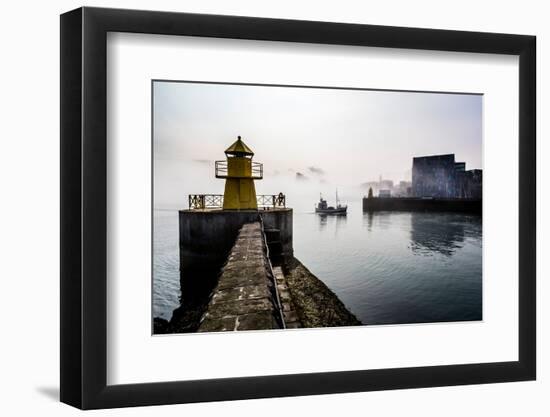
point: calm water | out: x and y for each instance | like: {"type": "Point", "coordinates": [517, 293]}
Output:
{"type": "Point", "coordinates": [387, 267]}
{"type": "Point", "coordinates": [166, 258]}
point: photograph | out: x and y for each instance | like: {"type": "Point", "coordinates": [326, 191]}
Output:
{"type": "Point", "coordinates": [295, 207]}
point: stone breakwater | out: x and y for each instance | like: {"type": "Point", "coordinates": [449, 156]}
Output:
{"type": "Point", "coordinates": [316, 305]}
{"type": "Point", "coordinates": [252, 294]}
{"type": "Point", "coordinates": [245, 297]}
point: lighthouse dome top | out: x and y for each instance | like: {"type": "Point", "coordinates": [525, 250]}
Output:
{"type": "Point", "coordinates": [239, 148]}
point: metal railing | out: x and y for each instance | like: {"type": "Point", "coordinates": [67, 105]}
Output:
{"type": "Point", "coordinates": [275, 200]}
{"type": "Point", "coordinates": [222, 170]}
{"type": "Point", "coordinates": [205, 201]}
{"type": "Point", "coordinates": [215, 201]}
{"type": "Point", "coordinates": [257, 170]}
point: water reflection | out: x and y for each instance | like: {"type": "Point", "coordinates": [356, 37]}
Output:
{"type": "Point", "coordinates": [367, 220]}
{"type": "Point", "coordinates": [381, 220]}
{"type": "Point", "coordinates": [441, 233]}
{"type": "Point", "coordinates": [338, 220]}
{"type": "Point", "coordinates": [397, 267]}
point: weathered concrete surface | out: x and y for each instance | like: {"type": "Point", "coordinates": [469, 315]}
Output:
{"type": "Point", "coordinates": [206, 236]}
{"type": "Point", "coordinates": [250, 294]}
{"type": "Point", "coordinates": [314, 303]}
{"type": "Point", "coordinates": [244, 298]}
{"type": "Point", "coordinates": [461, 205]}
{"type": "Point", "coordinates": [290, 316]}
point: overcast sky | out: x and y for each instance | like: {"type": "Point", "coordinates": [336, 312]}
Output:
{"type": "Point", "coordinates": [331, 137]}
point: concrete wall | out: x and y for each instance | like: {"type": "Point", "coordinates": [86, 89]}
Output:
{"type": "Point", "coordinates": [206, 236]}
{"type": "Point", "coordinates": [280, 219]}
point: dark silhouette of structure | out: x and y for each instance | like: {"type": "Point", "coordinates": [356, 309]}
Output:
{"type": "Point", "coordinates": [439, 176]}
{"type": "Point", "coordinates": [469, 184]}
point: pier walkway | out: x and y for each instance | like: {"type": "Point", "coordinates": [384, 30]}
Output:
{"type": "Point", "coordinates": [247, 294]}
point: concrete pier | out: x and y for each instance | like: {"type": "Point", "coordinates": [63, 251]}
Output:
{"type": "Point", "coordinates": [238, 272]}
{"type": "Point", "coordinates": [245, 297]}
{"type": "Point", "coordinates": [251, 294]}
{"type": "Point", "coordinates": [206, 236]}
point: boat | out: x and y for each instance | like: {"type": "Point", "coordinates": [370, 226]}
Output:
{"type": "Point", "coordinates": [324, 208]}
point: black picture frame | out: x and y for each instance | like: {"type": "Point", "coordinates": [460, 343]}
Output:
{"type": "Point", "coordinates": [84, 207]}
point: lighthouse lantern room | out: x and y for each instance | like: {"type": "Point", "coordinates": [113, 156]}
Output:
{"type": "Point", "coordinates": [239, 173]}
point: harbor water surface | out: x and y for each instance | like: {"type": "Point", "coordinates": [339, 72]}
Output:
{"type": "Point", "coordinates": [387, 267]}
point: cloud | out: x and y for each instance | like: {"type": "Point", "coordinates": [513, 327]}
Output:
{"type": "Point", "coordinates": [202, 161]}
{"type": "Point", "coordinates": [316, 170]}
{"type": "Point", "coordinates": [301, 177]}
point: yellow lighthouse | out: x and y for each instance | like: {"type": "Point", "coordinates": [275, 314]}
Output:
{"type": "Point", "coordinates": [239, 172]}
